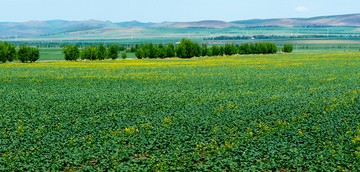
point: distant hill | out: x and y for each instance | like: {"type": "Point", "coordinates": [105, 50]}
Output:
{"type": "Point", "coordinates": [204, 24]}
{"type": "Point", "coordinates": [338, 20]}
{"type": "Point", "coordinates": [38, 28]}
{"type": "Point", "coordinates": [134, 24]}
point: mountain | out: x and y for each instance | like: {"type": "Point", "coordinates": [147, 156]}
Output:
{"type": "Point", "coordinates": [204, 24]}
{"type": "Point", "coordinates": [39, 28]}
{"type": "Point", "coordinates": [337, 20]}
{"type": "Point", "coordinates": [134, 24]}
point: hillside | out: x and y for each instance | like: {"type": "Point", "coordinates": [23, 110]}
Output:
{"type": "Point", "coordinates": [338, 20]}
{"type": "Point", "coordinates": [204, 24]}
{"type": "Point", "coordinates": [40, 28]}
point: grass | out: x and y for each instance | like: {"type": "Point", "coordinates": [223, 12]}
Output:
{"type": "Point", "coordinates": [51, 54]}
{"type": "Point", "coordinates": [259, 112]}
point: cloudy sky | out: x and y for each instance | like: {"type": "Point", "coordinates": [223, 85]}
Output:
{"type": "Point", "coordinates": [170, 10]}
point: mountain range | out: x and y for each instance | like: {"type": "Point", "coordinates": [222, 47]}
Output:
{"type": "Point", "coordinates": [38, 28]}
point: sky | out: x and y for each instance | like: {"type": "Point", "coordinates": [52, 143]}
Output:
{"type": "Point", "coordinates": [170, 10]}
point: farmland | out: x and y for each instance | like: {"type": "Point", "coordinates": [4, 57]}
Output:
{"type": "Point", "coordinates": [257, 112]}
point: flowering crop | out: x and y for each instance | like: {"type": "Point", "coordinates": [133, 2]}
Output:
{"type": "Point", "coordinates": [258, 112]}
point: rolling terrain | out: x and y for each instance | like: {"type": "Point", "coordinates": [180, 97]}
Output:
{"type": "Point", "coordinates": [94, 27]}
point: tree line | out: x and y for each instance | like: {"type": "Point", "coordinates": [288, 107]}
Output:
{"type": "Point", "coordinates": [218, 38]}
{"type": "Point", "coordinates": [188, 49]}
{"type": "Point", "coordinates": [8, 53]}
{"type": "Point", "coordinates": [94, 52]}
{"type": "Point", "coordinates": [185, 49]}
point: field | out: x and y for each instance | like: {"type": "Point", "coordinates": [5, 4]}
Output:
{"type": "Point", "coordinates": [261, 112]}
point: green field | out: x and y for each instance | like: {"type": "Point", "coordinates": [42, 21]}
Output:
{"type": "Point", "coordinates": [285, 112]}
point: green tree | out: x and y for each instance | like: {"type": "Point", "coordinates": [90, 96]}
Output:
{"type": "Point", "coordinates": [2, 53]}
{"type": "Point", "coordinates": [28, 54]}
{"type": "Point", "coordinates": [229, 49]}
{"type": "Point", "coordinates": [188, 49]}
{"type": "Point", "coordinates": [7, 52]}
{"type": "Point", "coordinates": [34, 54]}
{"type": "Point", "coordinates": [170, 50]}
{"type": "Point", "coordinates": [152, 51]}
{"type": "Point", "coordinates": [272, 47]}
{"type": "Point", "coordinates": [123, 55]}
{"type": "Point", "coordinates": [139, 53]}
{"type": "Point", "coordinates": [188, 44]}
{"type": "Point", "coordinates": [209, 52]}
{"type": "Point", "coordinates": [101, 52]}
{"type": "Point", "coordinates": [71, 52]}
{"type": "Point", "coordinates": [287, 48]}
{"type": "Point", "coordinates": [23, 53]}
{"type": "Point", "coordinates": [244, 49]}
{"type": "Point", "coordinates": [196, 49]}
{"type": "Point", "coordinates": [204, 50]}
{"type": "Point", "coordinates": [181, 51]}
{"type": "Point", "coordinates": [161, 51]}
{"type": "Point", "coordinates": [252, 49]}
{"type": "Point", "coordinates": [113, 51]}
{"type": "Point", "coordinates": [263, 49]}
{"type": "Point", "coordinates": [89, 53]}
{"type": "Point", "coordinates": [215, 50]}
{"type": "Point", "coordinates": [222, 50]}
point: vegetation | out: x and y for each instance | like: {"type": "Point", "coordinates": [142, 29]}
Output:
{"type": "Point", "coordinates": [285, 112]}
{"type": "Point", "coordinates": [265, 37]}
{"type": "Point", "coordinates": [28, 54]}
{"type": "Point", "coordinates": [170, 50]}
{"type": "Point", "coordinates": [189, 49]}
{"type": "Point", "coordinates": [7, 52]}
{"type": "Point", "coordinates": [101, 52]}
{"type": "Point", "coordinates": [89, 53]}
{"type": "Point", "coordinates": [71, 52]}
{"type": "Point", "coordinates": [287, 48]}
{"type": "Point", "coordinates": [123, 55]}
{"type": "Point", "coordinates": [113, 51]}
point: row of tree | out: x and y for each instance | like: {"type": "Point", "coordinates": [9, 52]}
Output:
{"type": "Point", "coordinates": [279, 37]}
{"type": "Point", "coordinates": [25, 53]}
{"type": "Point", "coordinates": [99, 52]}
{"type": "Point", "coordinates": [185, 49]}
{"type": "Point", "coordinates": [188, 49]}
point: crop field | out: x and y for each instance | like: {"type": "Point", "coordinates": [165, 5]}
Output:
{"type": "Point", "coordinates": [283, 112]}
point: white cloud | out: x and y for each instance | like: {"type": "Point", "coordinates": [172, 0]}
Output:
{"type": "Point", "coordinates": [301, 9]}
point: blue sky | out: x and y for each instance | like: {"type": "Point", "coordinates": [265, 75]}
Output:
{"type": "Point", "coordinates": [170, 10]}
